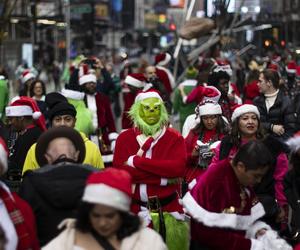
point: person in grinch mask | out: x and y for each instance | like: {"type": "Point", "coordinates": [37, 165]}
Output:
{"type": "Point", "coordinates": [155, 156]}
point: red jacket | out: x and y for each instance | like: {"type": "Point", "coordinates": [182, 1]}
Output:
{"type": "Point", "coordinates": [165, 159]}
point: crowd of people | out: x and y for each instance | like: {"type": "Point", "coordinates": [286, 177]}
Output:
{"type": "Point", "coordinates": [199, 164]}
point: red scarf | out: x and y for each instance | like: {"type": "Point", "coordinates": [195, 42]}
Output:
{"type": "Point", "coordinates": [24, 239]}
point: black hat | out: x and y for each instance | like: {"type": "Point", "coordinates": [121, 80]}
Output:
{"type": "Point", "coordinates": [59, 132]}
{"type": "Point", "coordinates": [58, 105]}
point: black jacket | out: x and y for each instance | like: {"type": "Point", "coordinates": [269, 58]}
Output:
{"type": "Point", "coordinates": [54, 193]}
{"type": "Point", "coordinates": [282, 112]}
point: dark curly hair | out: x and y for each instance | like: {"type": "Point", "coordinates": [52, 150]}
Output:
{"type": "Point", "coordinates": [130, 223]}
{"type": "Point", "coordinates": [31, 89]}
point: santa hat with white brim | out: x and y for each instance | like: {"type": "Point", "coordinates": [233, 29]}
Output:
{"type": "Point", "coordinates": [136, 80]}
{"type": "Point", "coordinates": [87, 78]}
{"type": "Point", "coordinates": [111, 187]}
{"type": "Point", "coordinates": [243, 109]}
{"type": "Point", "coordinates": [148, 94]}
{"type": "Point", "coordinates": [210, 109]}
{"type": "Point", "coordinates": [162, 59]}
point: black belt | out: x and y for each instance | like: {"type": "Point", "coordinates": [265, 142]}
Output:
{"type": "Point", "coordinates": [155, 203]}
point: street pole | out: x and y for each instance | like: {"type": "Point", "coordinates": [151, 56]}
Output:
{"type": "Point", "coordinates": [68, 28]}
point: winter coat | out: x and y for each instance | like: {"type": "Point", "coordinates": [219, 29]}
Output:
{"type": "Point", "coordinates": [144, 238]}
{"type": "Point", "coordinates": [282, 112]}
{"type": "Point", "coordinates": [54, 193]}
{"type": "Point", "coordinates": [92, 156]}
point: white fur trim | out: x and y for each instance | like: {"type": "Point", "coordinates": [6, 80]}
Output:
{"type": "Point", "coordinates": [170, 75]}
{"type": "Point", "coordinates": [166, 60]}
{"type": "Point", "coordinates": [163, 181]}
{"type": "Point", "coordinates": [130, 161]}
{"type": "Point", "coordinates": [246, 108]}
{"type": "Point", "coordinates": [294, 143]}
{"type": "Point", "coordinates": [143, 192]}
{"type": "Point", "coordinates": [210, 109]}
{"type": "Point", "coordinates": [221, 220]}
{"type": "Point", "coordinates": [291, 71]}
{"type": "Point", "coordinates": [22, 110]}
{"type": "Point", "coordinates": [113, 136]}
{"type": "Point", "coordinates": [271, 240]}
{"type": "Point", "coordinates": [106, 195]}
{"type": "Point", "coordinates": [256, 245]}
{"type": "Point", "coordinates": [3, 159]}
{"type": "Point", "coordinates": [146, 95]}
{"type": "Point", "coordinates": [87, 78]}
{"type": "Point", "coordinates": [107, 158]}
{"type": "Point", "coordinates": [255, 227]}
{"type": "Point", "coordinates": [134, 82]}
{"type": "Point", "coordinates": [226, 68]}
{"type": "Point", "coordinates": [192, 184]}
{"type": "Point", "coordinates": [189, 82]}
{"type": "Point", "coordinates": [72, 94]}
{"type": "Point", "coordinates": [27, 77]}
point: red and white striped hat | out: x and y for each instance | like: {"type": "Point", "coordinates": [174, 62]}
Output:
{"type": "Point", "coordinates": [111, 187]}
{"type": "Point", "coordinates": [27, 75]}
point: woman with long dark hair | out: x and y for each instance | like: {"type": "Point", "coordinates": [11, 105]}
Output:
{"type": "Point", "coordinates": [212, 128]}
{"type": "Point", "coordinates": [245, 127]}
{"type": "Point", "coordinates": [104, 220]}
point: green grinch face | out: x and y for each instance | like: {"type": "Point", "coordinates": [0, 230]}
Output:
{"type": "Point", "coordinates": [150, 110]}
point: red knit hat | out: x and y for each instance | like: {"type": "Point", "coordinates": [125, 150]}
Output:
{"type": "Point", "coordinates": [162, 59]}
{"type": "Point", "coordinates": [273, 66]}
{"type": "Point", "coordinates": [85, 76]}
{"type": "Point", "coordinates": [147, 94]}
{"type": "Point", "coordinates": [136, 80]}
{"type": "Point", "coordinates": [26, 106]}
{"type": "Point", "coordinates": [3, 156]}
{"type": "Point", "coordinates": [27, 75]}
{"type": "Point", "coordinates": [291, 67]}
{"type": "Point", "coordinates": [110, 187]}
{"type": "Point", "coordinates": [243, 109]}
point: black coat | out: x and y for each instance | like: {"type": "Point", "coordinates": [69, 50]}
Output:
{"type": "Point", "coordinates": [281, 113]}
{"type": "Point", "coordinates": [54, 193]}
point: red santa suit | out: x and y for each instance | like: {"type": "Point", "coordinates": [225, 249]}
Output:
{"type": "Point", "coordinates": [215, 192]}
{"type": "Point", "coordinates": [163, 158]}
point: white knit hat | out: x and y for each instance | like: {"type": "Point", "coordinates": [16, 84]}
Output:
{"type": "Point", "coordinates": [209, 109]}
{"type": "Point", "coordinates": [243, 109]}
{"type": "Point", "coordinates": [110, 187]}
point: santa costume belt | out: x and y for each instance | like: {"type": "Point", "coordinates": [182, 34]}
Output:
{"type": "Point", "coordinates": [154, 203]}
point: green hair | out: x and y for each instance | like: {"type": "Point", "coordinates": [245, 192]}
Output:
{"type": "Point", "coordinates": [134, 114]}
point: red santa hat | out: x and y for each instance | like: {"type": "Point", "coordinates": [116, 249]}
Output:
{"type": "Point", "coordinates": [243, 109]}
{"type": "Point", "coordinates": [147, 94]}
{"type": "Point", "coordinates": [3, 156]}
{"type": "Point", "coordinates": [209, 108]}
{"type": "Point", "coordinates": [110, 187]}
{"type": "Point", "coordinates": [85, 75]}
{"type": "Point", "coordinates": [27, 75]}
{"type": "Point", "coordinates": [162, 59]}
{"type": "Point", "coordinates": [294, 142]}
{"type": "Point", "coordinates": [291, 67]}
{"type": "Point", "coordinates": [223, 65]}
{"type": "Point", "coordinates": [136, 80]}
{"type": "Point", "coordinates": [273, 66]}
{"type": "Point", "coordinates": [26, 106]}
{"type": "Point", "coordinates": [211, 94]}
